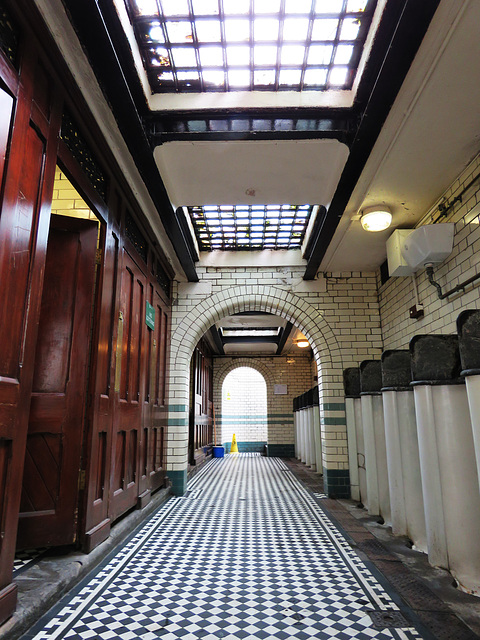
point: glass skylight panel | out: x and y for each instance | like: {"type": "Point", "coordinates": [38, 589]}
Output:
{"type": "Point", "coordinates": [338, 76]}
{"type": "Point", "coordinates": [239, 78]}
{"type": "Point", "coordinates": [343, 54]}
{"type": "Point", "coordinates": [250, 332]}
{"type": "Point", "coordinates": [238, 56]}
{"type": "Point", "coordinates": [178, 32]}
{"type": "Point", "coordinates": [328, 6]}
{"type": "Point", "coordinates": [237, 30]}
{"type": "Point", "coordinates": [175, 7]}
{"type": "Point", "coordinates": [293, 45]}
{"type": "Point", "coordinates": [205, 7]}
{"type": "Point", "coordinates": [250, 227]}
{"type": "Point", "coordinates": [324, 29]}
{"type": "Point", "coordinates": [265, 77]}
{"type": "Point", "coordinates": [292, 55]}
{"type": "Point", "coordinates": [183, 57]}
{"type": "Point", "coordinates": [295, 29]}
{"type": "Point", "coordinates": [265, 55]}
{"type": "Point", "coordinates": [236, 7]}
{"type": "Point", "coordinates": [266, 29]}
{"type": "Point", "coordinates": [320, 54]}
{"type": "Point", "coordinates": [208, 31]}
{"type": "Point", "coordinates": [267, 6]}
{"type": "Point", "coordinates": [211, 57]}
{"type": "Point", "coordinates": [298, 6]}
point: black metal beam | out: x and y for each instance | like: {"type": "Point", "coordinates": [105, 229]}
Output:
{"type": "Point", "coordinates": [284, 337]}
{"type": "Point", "coordinates": [398, 39]}
{"type": "Point", "coordinates": [252, 124]}
{"type": "Point", "coordinates": [315, 233]}
{"type": "Point", "coordinates": [98, 28]}
{"type": "Point", "coordinates": [217, 340]}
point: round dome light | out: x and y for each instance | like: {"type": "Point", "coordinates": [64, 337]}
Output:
{"type": "Point", "coordinates": [376, 218]}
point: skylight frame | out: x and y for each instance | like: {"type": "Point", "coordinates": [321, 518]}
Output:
{"type": "Point", "coordinates": [250, 332]}
{"type": "Point", "coordinates": [250, 227]}
{"type": "Point", "coordinates": [195, 79]}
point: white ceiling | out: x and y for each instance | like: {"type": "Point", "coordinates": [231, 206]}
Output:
{"type": "Point", "coordinates": [251, 172]}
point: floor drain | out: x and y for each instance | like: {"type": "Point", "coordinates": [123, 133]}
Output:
{"type": "Point", "coordinates": [388, 620]}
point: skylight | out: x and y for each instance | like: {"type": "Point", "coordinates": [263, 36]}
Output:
{"type": "Point", "coordinates": [251, 332]}
{"type": "Point", "coordinates": [246, 45]}
{"type": "Point", "coordinates": [253, 227]}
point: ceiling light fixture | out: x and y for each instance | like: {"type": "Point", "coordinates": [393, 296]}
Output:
{"type": "Point", "coordinates": [376, 218]}
{"type": "Point", "coordinates": [302, 343]}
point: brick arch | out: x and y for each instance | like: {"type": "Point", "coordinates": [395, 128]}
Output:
{"type": "Point", "coordinates": [195, 324]}
{"type": "Point", "coordinates": [222, 373]}
{"type": "Point", "coordinates": [273, 300]}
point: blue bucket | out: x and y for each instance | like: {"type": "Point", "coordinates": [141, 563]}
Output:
{"type": "Point", "coordinates": [218, 452]}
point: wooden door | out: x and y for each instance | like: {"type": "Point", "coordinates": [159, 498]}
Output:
{"type": "Point", "coordinates": [156, 392]}
{"type": "Point", "coordinates": [48, 510]}
{"type": "Point", "coordinates": [129, 382]}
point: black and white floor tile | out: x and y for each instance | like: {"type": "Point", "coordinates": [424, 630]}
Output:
{"type": "Point", "coordinates": [25, 559]}
{"type": "Point", "coordinates": [247, 553]}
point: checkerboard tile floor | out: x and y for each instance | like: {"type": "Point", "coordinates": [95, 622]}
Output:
{"type": "Point", "coordinates": [25, 559]}
{"type": "Point", "coordinates": [248, 553]}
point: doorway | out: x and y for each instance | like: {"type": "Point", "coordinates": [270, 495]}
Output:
{"type": "Point", "coordinates": [244, 409]}
{"type": "Point", "coordinates": [51, 479]}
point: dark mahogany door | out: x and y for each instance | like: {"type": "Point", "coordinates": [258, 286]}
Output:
{"type": "Point", "coordinates": [156, 449]}
{"type": "Point", "coordinates": [48, 511]}
{"type": "Point", "coordinates": [129, 385]}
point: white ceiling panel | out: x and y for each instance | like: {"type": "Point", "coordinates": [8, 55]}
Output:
{"type": "Point", "coordinates": [251, 172]}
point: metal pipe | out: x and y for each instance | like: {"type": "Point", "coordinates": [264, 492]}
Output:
{"type": "Point", "coordinates": [459, 287]}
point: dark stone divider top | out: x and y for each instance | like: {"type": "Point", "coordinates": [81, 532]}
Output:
{"type": "Point", "coordinates": [468, 327]}
{"type": "Point", "coordinates": [435, 359]}
{"type": "Point", "coordinates": [308, 399]}
{"type": "Point", "coordinates": [351, 382]}
{"type": "Point", "coordinates": [371, 376]}
{"type": "Point", "coordinates": [396, 370]}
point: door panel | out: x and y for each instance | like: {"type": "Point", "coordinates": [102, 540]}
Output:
{"type": "Point", "coordinates": [96, 525]}
{"type": "Point", "coordinates": [17, 242]}
{"type": "Point", "coordinates": [50, 484]}
{"type": "Point", "coordinates": [130, 381]}
{"type": "Point", "coordinates": [156, 424]}
{"type": "Point", "coordinates": [6, 109]}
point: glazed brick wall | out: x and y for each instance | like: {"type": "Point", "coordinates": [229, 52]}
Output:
{"type": "Point", "coordinates": [340, 315]}
{"type": "Point", "coordinates": [397, 295]}
{"type": "Point", "coordinates": [67, 201]}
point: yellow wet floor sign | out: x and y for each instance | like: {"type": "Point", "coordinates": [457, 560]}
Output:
{"type": "Point", "coordinates": [234, 448]}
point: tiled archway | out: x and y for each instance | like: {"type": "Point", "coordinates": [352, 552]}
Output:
{"type": "Point", "coordinates": [192, 326]}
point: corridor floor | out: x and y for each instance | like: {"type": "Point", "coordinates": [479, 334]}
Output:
{"type": "Point", "coordinates": [248, 552]}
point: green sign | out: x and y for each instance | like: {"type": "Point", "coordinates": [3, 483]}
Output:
{"type": "Point", "coordinates": [150, 316]}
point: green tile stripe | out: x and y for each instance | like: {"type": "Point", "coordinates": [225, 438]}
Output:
{"type": "Point", "coordinates": [333, 406]}
{"type": "Point", "coordinates": [332, 420]}
{"type": "Point", "coordinates": [179, 481]}
{"type": "Point", "coordinates": [254, 415]}
{"type": "Point", "coordinates": [177, 408]}
{"type": "Point", "coordinates": [178, 422]}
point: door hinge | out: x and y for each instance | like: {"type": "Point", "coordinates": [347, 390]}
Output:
{"type": "Point", "coordinates": [98, 256]}
{"type": "Point", "coordinates": [81, 480]}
